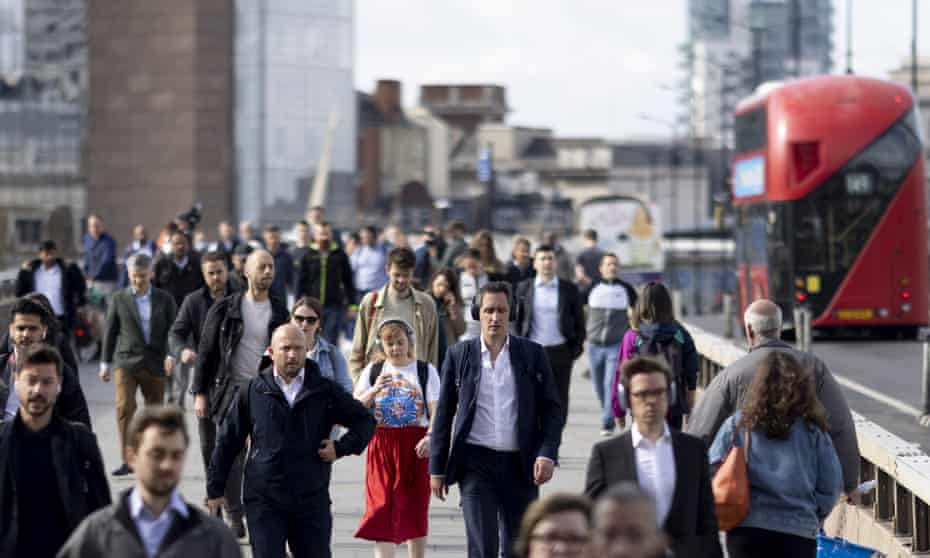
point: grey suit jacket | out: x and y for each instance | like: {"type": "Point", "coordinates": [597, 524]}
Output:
{"type": "Point", "coordinates": [124, 342]}
{"type": "Point", "coordinates": [691, 524]}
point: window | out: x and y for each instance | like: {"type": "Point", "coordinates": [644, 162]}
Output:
{"type": "Point", "coordinates": [751, 130]}
{"type": "Point", "coordinates": [28, 231]}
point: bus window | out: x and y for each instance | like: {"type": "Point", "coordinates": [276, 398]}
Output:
{"type": "Point", "coordinates": [810, 241]}
{"type": "Point", "coordinates": [750, 130]}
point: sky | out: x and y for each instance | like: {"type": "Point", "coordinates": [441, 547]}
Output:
{"type": "Point", "coordinates": [588, 68]}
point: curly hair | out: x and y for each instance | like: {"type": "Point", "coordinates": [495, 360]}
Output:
{"type": "Point", "coordinates": [781, 392]}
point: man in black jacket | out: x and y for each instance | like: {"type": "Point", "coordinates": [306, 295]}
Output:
{"type": "Point", "coordinates": [497, 428]}
{"type": "Point", "coordinates": [326, 274]}
{"type": "Point", "coordinates": [180, 275]}
{"type": "Point", "coordinates": [184, 338]}
{"type": "Point", "coordinates": [235, 334]}
{"type": "Point", "coordinates": [670, 466]}
{"type": "Point", "coordinates": [288, 411]}
{"type": "Point", "coordinates": [61, 282]}
{"type": "Point", "coordinates": [51, 470]}
{"type": "Point", "coordinates": [551, 312]}
{"type": "Point", "coordinates": [29, 327]}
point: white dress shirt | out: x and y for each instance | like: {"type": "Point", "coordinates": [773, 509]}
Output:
{"type": "Point", "coordinates": [655, 469]}
{"type": "Point", "coordinates": [48, 282]}
{"type": "Point", "coordinates": [152, 530]}
{"type": "Point", "coordinates": [545, 327]}
{"type": "Point", "coordinates": [495, 423]}
{"type": "Point", "coordinates": [290, 389]}
{"type": "Point", "coordinates": [11, 405]}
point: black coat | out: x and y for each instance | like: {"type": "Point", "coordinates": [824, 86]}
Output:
{"type": "Point", "coordinates": [178, 281]}
{"type": "Point", "coordinates": [71, 404]}
{"type": "Point", "coordinates": [283, 468]}
{"type": "Point", "coordinates": [571, 313]}
{"type": "Point", "coordinates": [691, 524]}
{"type": "Point", "coordinates": [221, 334]}
{"type": "Point", "coordinates": [80, 477]}
{"type": "Point", "coordinates": [329, 279]}
{"type": "Point", "coordinates": [539, 415]}
{"type": "Point", "coordinates": [188, 325]}
{"type": "Point", "coordinates": [73, 287]}
{"type": "Point", "coordinates": [62, 343]}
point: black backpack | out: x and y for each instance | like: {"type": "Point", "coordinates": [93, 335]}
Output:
{"type": "Point", "coordinates": [422, 376]}
{"type": "Point", "coordinates": [672, 352]}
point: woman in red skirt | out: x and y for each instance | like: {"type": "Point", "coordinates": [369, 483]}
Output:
{"type": "Point", "coordinates": [397, 488]}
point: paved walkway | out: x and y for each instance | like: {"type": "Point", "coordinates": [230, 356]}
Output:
{"type": "Point", "coordinates": [447, 532]}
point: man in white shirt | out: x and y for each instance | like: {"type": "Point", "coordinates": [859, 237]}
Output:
{"type": "Point", "coordinates": [551, 313]}
{"type": "Point", "coordinates": [61, 282]}
{"type": "Point", "coordinates": [497, 428]}
{"type": "Point", "coordinates": [670, 466]}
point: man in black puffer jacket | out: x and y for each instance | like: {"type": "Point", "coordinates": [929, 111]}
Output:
{"type": "Point", "coordinates": [288, 412]}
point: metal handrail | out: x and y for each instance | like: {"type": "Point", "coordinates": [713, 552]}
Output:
{"type": "Point", "coordinates": [901, 468]}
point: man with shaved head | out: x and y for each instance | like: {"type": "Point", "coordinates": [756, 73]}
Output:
{"type": "Point", "coordinates": [723, 397]}
{"type": "Point", "coordinates": [235, 334]}
{"type": "Point", "coordinates": [288, 410]}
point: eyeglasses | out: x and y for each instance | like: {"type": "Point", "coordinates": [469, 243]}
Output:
{"type": "Point", "coordinates": [306, 319]}
{"type": "Point", "coordinates": [648, 394]}
{"type": "Point", "coordinates": [552, 539]}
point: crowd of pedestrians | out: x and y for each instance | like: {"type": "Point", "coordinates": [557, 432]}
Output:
{"type": "Point", "coordinates": [448, 365]}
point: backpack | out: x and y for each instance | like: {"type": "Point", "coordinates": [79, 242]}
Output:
{"type": "Point", "coordinates": [422, 376]}
{"type": "Point", "coordinates": [672, 352]}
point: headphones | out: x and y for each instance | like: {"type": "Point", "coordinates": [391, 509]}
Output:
{"type": "Point", "coordinates": [476, 307]}
{"type": "Point", "coordinates": [408, 329]}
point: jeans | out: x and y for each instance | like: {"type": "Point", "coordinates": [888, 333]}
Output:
{"type": "Point", "coordinates": [332, 324]}
{"type": "Point", "coordinates": [603, 363]}
{"type": "Point", "coordinates": [177, 383]}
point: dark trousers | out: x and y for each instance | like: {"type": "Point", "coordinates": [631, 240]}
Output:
{"type": "Point", "coordinates": [306, 530]}
{"type": "Point", "coordinates": [751, 542]}
{"type": "Point", "coordinates": [561, 361]}
{"type": "Point", "coordinates": [332, 324]}
{"type": "Point", "coordinates": [495, 493]}
{"type": "Point", "coordinates": [207, 430]}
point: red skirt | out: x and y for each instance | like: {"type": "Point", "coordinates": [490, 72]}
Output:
{"type": "Point", "coordinates": [397, 488]}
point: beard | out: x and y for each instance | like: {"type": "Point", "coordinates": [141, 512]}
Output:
{"type": "Point", "coordinates": [160, 486]}
{"type": "Point", "coordinates": [37, 406]}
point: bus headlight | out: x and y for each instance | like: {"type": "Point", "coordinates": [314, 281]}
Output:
{"type": "Point", "coordinates": [906, 307]}
{"type": "Point", "coordinates": [882, 312]}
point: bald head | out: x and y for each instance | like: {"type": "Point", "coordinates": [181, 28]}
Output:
{"type": "Point", "coordinates": [762, 319]}
{"type": "Point", "coordinates": [288, 350]}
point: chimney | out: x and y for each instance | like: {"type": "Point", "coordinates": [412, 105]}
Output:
{"type": "Point", "coordinates": [387, 99]}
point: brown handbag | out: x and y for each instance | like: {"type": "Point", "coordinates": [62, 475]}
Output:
{"type": "Point", "coordinates": [731, 485]}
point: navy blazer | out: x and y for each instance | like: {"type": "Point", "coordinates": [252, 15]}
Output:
{"type": "Point", "coordinates": [539, 411]}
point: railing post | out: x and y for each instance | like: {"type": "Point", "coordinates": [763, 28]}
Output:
{"type": "Point", "coordinates": [884, 500]}
{"type": "Point", "coordinates": [921, 530]}
{"type": "Point", "coordinates": [728, 316]}
{"type": "Point", "coordinates": [903, 506]}
{"type": "Point", "coordinates": [866, 473]}
{"type": "Point", "coordinates": [676, 303]}
{"type": "Point", "coordinates": [925, 376]}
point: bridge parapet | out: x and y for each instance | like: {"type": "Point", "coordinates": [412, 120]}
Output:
{"type": "Point", "coordinates": [895, 518]}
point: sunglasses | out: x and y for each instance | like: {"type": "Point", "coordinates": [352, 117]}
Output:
{"type": "Point", "coordinates": [306, 319]}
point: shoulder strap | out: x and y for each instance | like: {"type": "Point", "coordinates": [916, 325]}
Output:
{"type": "Point", "coordinates": [371, 311]}
{"type": "Point", "coordinates": [423, 377]}
{"type": "Point", "coordinates": [376, 368]}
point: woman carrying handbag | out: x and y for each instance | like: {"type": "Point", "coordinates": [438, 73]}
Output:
{"type": "Point", "coordinates": [793, 472]}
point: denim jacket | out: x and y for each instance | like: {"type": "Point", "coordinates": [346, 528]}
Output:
{"type": "Point", "coordinates": [794, 483]}
{"type": "Point", "coordinates": [333, 364]}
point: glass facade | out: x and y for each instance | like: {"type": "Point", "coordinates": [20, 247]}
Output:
{"type": "Point", "coordinates": [293, 73]}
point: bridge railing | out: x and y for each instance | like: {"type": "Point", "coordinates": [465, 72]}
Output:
{"type": "Point", "coordinates": [895, 518]}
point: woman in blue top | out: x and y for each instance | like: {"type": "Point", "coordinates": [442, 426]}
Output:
{"type": "Point", "coordinates": [307, 314]}
{"type": "Point", "coordinates": [794, 474]}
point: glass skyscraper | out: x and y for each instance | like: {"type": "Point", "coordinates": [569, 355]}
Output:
{"type": "Point", "coordinates": [293, 74]}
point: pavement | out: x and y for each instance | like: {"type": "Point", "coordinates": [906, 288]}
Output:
{"type": "Point", "coordinates": [447, 530]}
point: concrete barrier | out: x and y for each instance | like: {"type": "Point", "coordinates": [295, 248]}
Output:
{"type": "Point", "coordinates": [895, 518]}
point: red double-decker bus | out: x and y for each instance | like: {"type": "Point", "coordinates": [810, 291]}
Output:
{"type": "Point", "coordinates": [830, 199]}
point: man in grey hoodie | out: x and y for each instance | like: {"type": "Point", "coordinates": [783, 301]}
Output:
{"type": "Point", "coordinates": [723, 397]}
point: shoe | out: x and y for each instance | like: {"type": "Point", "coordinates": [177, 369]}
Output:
{"type": "Point", "coordinates": [122, 471]}
{"type": "Point", "coordinates": [237, 526]}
